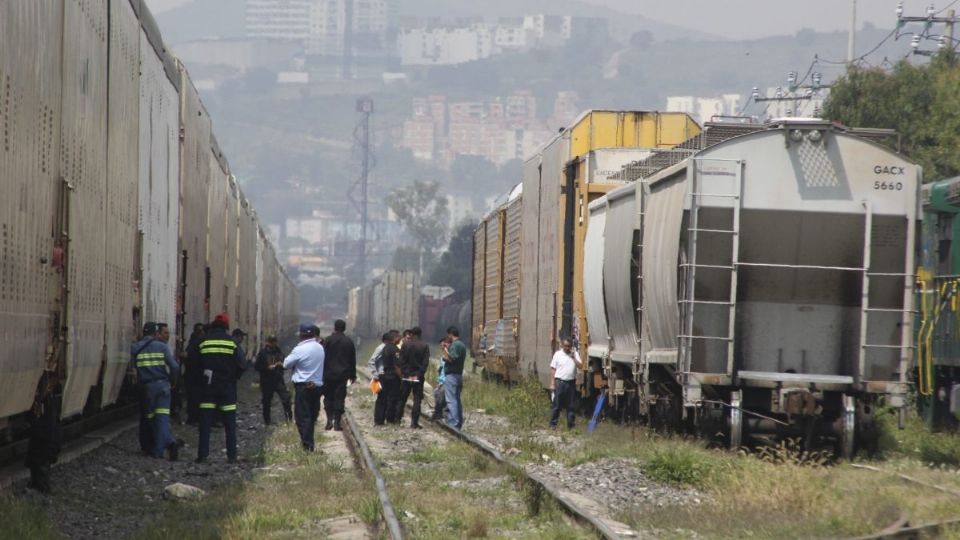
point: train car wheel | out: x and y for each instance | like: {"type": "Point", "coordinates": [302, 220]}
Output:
{"type": "Point", "coordinates": [848, 433]}
{"type": "Point", "coordinates": [736, 421]}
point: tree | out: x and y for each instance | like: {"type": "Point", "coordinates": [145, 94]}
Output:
{"type": "Point", "coordinates": [922, 103]}
{"type": "Point", "coordinates": [456, 263]}
{"type": "Point", "coordinates": [422, 210]}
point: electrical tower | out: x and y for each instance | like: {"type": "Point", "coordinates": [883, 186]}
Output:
{"type": "Point", "coordinates": [362, 145]}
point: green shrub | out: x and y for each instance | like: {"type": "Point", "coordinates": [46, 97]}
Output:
{"type": "Point", "coordinates": [679, 466]}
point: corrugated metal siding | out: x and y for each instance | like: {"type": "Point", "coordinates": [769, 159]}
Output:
{"type": "Point", "coordinates": [123, 132]}
{"type": "Point", "coordinates": [159, 188]}
{"type": "Point", "coordinates": [529, 265]}
{"type": "Point", "coordinates": [232, 236]}
{"type": "Point", "coordinates": [194, 190]}
{"type": "Point", "coordinates": [479, 281]}
{"type": "Point", "coordinates": [30, 83]}
{"type": "Point", "coordinates": [493, 278]}
{"type": "Point", "coordinates": [217, 219]}
{"type": "Point", "coordinates": [593, 261]}
{"type": "Point", "coordinates": [661, 237]}
{"type": "Point", "coordinates": [506, 341]}
{"type": "Point", "coordinates": [83, 147]}
{"type": "Point", "coordinates": [618, 278]}
{"type": "Point", "coordinates": [550, 253]}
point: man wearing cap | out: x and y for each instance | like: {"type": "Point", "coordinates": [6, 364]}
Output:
{"type": "Point", "coordinates": [222, 363]}
{"type": "Point", "coordinates": [238, 337]}
{"type": "Point", "coordinates": [306, 360]}
{"type": "Point", "coordinates": [270, 365]}
{"type": "Point", "coordinates": [155, 367]}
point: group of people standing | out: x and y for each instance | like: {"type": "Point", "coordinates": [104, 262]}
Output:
{"type": "Point", "coordinates": [399, 365]}
{"type": "Point", "coordinates": [214, 361]}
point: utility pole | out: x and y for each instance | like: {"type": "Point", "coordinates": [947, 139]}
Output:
{"type": "Point", "coordinates": [852, 37]}
{"type": "Point", "coordinates": [946, 41]}
{"type": "Point", "coordinates": [362, 144]}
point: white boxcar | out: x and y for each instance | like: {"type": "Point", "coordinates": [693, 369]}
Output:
{"type": "Point", "coordinates": [159, 185]}
{"type": "Point", "coordinates": [30, 280]}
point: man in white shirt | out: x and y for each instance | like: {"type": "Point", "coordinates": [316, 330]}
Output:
{"type": "Point", "coordinates": [306, 361]}
{"type": "Point", "coordinates": [563, 373]}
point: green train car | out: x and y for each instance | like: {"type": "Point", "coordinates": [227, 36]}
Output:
{"type": "Point", "coordinates": [938, 326]}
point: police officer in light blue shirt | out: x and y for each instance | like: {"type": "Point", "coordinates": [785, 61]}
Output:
{"type": "Point", "coordinates": [306, 361]}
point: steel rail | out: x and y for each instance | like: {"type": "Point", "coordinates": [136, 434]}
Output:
{"type": "Point", "coordinates": [572, 508]}
{"type": "Point", "coordinates": [358, 443]}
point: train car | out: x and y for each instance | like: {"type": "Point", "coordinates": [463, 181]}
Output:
{"type": "Point", "coordinates": [496, 298]}
{"type": "Point", "coordinates": [195, 180]}
{"type": "Point", "coordinates": [938, 300]}
{"type": "Point", "coordinates": [775, 294]}
{"type": "Point", "coordinates": [112, 176]}
{"type": "Point", "coordinates": [559, 182]}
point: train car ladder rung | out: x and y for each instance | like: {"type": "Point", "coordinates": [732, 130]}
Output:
{"type": "Point", "coordinates": [890, 310]}
{"type": "Point", "coordinates": [720, 195]}
{"type": "Point", "coordinates": [720, 266]}
{"type": "Point", "coordinates": [879, 346]}
{"type": "Point", "coordinates": [707, 302]}
{"type": "Point", "coordinates": [712, 338]}
{"type": "Point", "coordinates": [718, 231]}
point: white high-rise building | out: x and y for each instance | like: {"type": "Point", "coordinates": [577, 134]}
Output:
{"type": "Point", "coordinates": [322, 25]}
{"type": "Point", "coordinates": [279, 19]}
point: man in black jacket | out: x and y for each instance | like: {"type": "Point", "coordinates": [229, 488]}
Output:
{"type": "Point", "coordinates": [339, 367]}
{"type": "Point", "coordinates": [193, 375]}
{"type": "Point", "coordinates": [222, 363]}
{"type": "Point", "coordinates": [270, 365]}
{"type": "Point", "coordinates": [414, 360]}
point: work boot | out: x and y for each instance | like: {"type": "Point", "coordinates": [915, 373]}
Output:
{"type": "Point", "coordinates": [288, 413]}
{"type": "Point", "coordinates": [40, 478]}
{"type": "Point", "coordinates": [336, 423]}
{"type": "Point", "coordinates": [174, 450]}
{"type": "Point", "coordinates": [329, 425]}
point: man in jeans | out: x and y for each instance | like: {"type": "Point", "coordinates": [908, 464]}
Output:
{"type": "Point", "coordinates": [563, 374]}
{"type": "Point", "coordinates": [454, 357]}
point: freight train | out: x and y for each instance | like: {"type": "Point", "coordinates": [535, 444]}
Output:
{"type": "Point", "coordinates": [395, 300]}
{"type": "Point", "coordinates": [752, 280]}
{"type": "Point", "coordinates": [119, 207]}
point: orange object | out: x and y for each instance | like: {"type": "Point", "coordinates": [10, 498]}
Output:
{"type": "Point", "coordinates": [375, 386]}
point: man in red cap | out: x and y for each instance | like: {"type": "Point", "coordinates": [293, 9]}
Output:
{"type": "Point", "coordinates": [222, 363]}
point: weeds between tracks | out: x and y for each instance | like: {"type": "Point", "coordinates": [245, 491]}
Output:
{"type": "Point", "coordinates": [774, 492]}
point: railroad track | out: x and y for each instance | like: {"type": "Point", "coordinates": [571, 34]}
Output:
{"type": "Point", "coordinates": [575, 507]}
{"type": "Point", "coordinates": [902, 528]}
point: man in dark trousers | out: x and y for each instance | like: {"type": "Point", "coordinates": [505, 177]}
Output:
{"type": "Point", "coordinates": [414, 360]}
{"type": "Point", "coordinates": [306, 360]}
{"type": "Point", "coordinates": [156, 370]}
{"type": "Point", "coordinates": [193, 375]}
{"type": "Point", "coordinates": [386, 372]}
{"type": "Point", "coordinates": [222, 363]}
{"type": "Point", "coordinates": [270, 365]}
{"type": "Point", "coordinates": [339, 367]}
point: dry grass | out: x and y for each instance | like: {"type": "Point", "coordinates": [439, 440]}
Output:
{"type": "Point", "coordinates": [779, 492]}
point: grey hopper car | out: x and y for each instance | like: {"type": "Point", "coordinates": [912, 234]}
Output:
{"type": "Point", "coordinates": [762, 285]}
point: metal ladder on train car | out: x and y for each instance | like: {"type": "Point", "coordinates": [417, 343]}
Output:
{"type": "Point", "coordinates": [866, 309]}
{"type": "Point", "coordinates": [689, 302]}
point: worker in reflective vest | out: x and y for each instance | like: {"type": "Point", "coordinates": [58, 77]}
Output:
{"type": "Point", "coordinates": [222, 363]}
{"type": "Point", "coordinates": [156, 369]}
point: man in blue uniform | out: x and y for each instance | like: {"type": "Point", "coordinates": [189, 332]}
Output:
{"type": "Point", "coordinates": [155, 367]}
{"type": "Point", "coordinates": [222, 364]}
{"type": "Point", "coordinates": [306, 360]}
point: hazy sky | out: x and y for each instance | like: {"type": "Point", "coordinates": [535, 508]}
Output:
{"type": "Point", "coordinates": [742, 18]}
